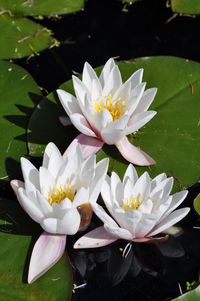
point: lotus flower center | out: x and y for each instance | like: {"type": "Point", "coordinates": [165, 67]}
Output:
{"type": "Point", "coordinates": [116, 108]}
{"type": "Point", "coordinates": [58, 194]}
{"type": "Point", "coordinates": [132, 204]}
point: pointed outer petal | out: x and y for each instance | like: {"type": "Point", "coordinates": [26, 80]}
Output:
{"type": "Point", "coordinates": [133, 154]}
{"type": "Point", "coordinates": [47, 181]}
{"type": "Point", "coordinates": [156, 181]}
{"type": "Point", "coordinates": [69, 102]}
{"type": "Point", "coordinates": [128, 189]}
{"type": "Point", "coordinates": [170, 220]}
{"type": "Point", "coordinates": [34, 212]}
{"type": "Point", "coordinates": [88, 171]}
{"type": "Point", "coordinates": [118, 232]}
{"type": "Point", "coordinates": [106, 196]}
{"type": "Point", "coordinates": [55, 163]}
{"type": "Point", "coordinates": [96, 89]}
{"type": "Point", "coordinates": [29, 172]}
{"type": "Point", "coordinates": [68, 225]}
{"type": "Point", "coordinates": [165, 186]}
{"type": "Point", "coordinates": [113, 82]}
{"type": "Point", "coordinates": [89, 145]}
{"type": "Point", "coordinates": [49, 150]}
{"type": "Point", "coordinates": [177, 199]}
{"type": "Point", "coordinates": [59, 210]}
{"type": "Point", "coordinates": [135, 97]}
{"type": "Point", "coordinates": [100, 174]}
{"type": "Point", "coordinates": [16, 184]}
{"type": "Point", "coordinates": [144, 226]}
{"type": "Point", "coordinates": [151, 240]}
{"type": "Point", "coordinates": [104, 217]}
{"type": "Point", "coordinates": [142, 186]}
{"type": "Point", "coordinates": [81, 197]}
{"type": "Point", "coordinates": [46, 252]}
{"type": "Point", "coordinates": [102, 120]}
{"type": "Point", "coordinates": [146, 207]}
{"type": "Point", "coordinates": [123, 92]}
{"type": "Point", "coordinates": [96, 238]}
{"type": "Point", "coordinates": [146, 100]}
{"type": "Point", "coordinates": [44, 205]}
{"type": "Point", "coordinates": [88, 76]}
{"type": "Point", "coordinates": [114, 181]}
{"type": "Point", "coordinates": [136, 78]}
{"type": "Point", "coordinates": [81, 124]}
{"type": "Point", "coordinates": [80, 90]}
{"type": "Point", "coordinates": [139, 120]}
{"type": "Point", "coordinates": [106, 71]}
{"type": "Point", "coordinates": [128, 220]}
{"type": "Point", "coordinates": [131, 174]}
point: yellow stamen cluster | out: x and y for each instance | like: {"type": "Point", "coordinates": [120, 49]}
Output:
{"type": "Point", "coordinates": [132, 203]}
{"type": "Point", "coordinates": [58, 194]}
{"type": "Point", "coordinates": [116, 108]}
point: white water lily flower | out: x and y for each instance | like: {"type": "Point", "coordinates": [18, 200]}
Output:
{"type": "Point", "coordinates": [106, 110]}
{"type": "Point", "coordinates": [140, 208]}
{"type": "Point", "coordinates": [58, 197]}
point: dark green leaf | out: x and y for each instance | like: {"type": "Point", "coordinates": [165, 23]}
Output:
{"type": "Point", "coordinates": [193, 295]}
{"type": "Point", "coordinates": [197, 204]}
{"type": "Point", "coordinates": [186, 6]}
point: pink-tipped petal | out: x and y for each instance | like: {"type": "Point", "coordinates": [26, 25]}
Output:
{"type": "Point", "coordinates": [89, 145]}
{"type": "Point", "coordinates": [46, 252]}
{"type": "Point", "coordinates": [16, 184]}
{"type": "Point", "coordinates": [96, 238]}
{"type": "Point", "coordinates": [151, 240]}
{"type": "Point", "coordinates": [133, 154]}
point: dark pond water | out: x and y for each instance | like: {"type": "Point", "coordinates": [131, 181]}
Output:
{"type": "Point", "coordinates": [101, 30]}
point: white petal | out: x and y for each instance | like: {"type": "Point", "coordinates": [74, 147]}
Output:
{"type": "Point", "coordinates": [69, 102]}
{"type": "Point", "coordinates": [55, 163]}
{"type": "Point", "coordinates": [81, 197]}
{"type": "Point", "coordinates": [81, 124]}
{"type": "Point", "coordinates": [139, 120]}
{"type": "Point", "coordinates": [104, 217]}
{"type": "Point", "coordinates": [131, 174]}
{"type": "Point", "coordinates": [146, 207]}
{"type": "Point", "coordinates": [44, 205]}
{"type": "Point", "coordinates": [59, 210]}
{"type": "Point", "coordinates": [80, 90]}
{"type": "Point", "coordinates": [112, 136]}
{"type": "Point", "coordinates": [49, 150]}
{"type": "Point", "coordinates": [142, 187]}
{"type": "Point", "coordinates": [170, 220]}
{"type": "Point", "coordinates": [161, 177]}
{"type": "Point", "coordinates": [118, 232]}
{"type": "Point", "coordinates": [135, 97]}
{"type": "Point", "coordinates": [106, 71]}
{"type": "Point", "coordinates": [165, 186]}
{"type": "Point", "coordinates": [177, 199]}
{"type": "Point", "coordinates": [136, 78]}
{"type": "Point", "coordinates": [113, 82]}
{"type": "Point", "coordinates": [30, 173]}
{"type": "Point", "coordinates": [128, 189]}
{"type": "Point", "coordinates": [100, 174]}
{"type": "Point", "coordinates": [96, 91]}
{"type": "Point", "coordinates": [88, 76]}
{"type": "Point", "coordinates": [102, 119]}
{"type": "Point", "coordinates": [33, 211]}
{"type": "Point", "coordinates": [146, 100]}
{"type": "Point", "coordinates": [144, 226]}
{"type": "Point", "coordinates": [131, 219]}
{"type": "Point", "coordinates": [47, 181]}
{"type": "Point", "coordinates": [123, 92]}
{"type": "Point", "coordinates": [88, 171]}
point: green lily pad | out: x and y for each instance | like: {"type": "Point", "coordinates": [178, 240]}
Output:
{"type": "Point", "coordinates": [172, 137]}
{"type": "Point", "coordinates": [38, 7]}
{"type": "Point", "coordinates": [197, 204]}
{"type": "Point", "coordinates": [18, 91]}
{"type": "Point", "coordinates": [186, 6]}
{"type": "Point", "coordinates": [21, 37]}
{"type": "Point", "coordinates": [17, 236]}
{"type": "Point", "coordinates": [193, 295]}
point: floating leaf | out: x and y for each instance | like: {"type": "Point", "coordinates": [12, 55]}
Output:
{"type": "Point", "coordinates": [38, 7]}
{"type": "Point", "coordinates": [16, 246]}
{"type": "Point", "coordinates": [186, 6]}
{"type": "Point", "coordinates": [193, 295]}
{"type": "Point", "coordinates": [171, 137]}
{"type": "Point", "coordinates": [17, 93]}
{"type": "Point", "coordinates": [197, 204]}
{"type": "Point", "coordinates": [21, 37]}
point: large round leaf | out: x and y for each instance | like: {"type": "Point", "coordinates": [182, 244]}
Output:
{"type": "Point", "coordinates": [38, 7]}
{"type": "Point", "coordinates": [186, 6]}
{"type": "Point", "coordinates": [22, 37]}
{"type": "Point", "coordinates": [172, 137]}
{"type": "Point", "coordinates": [18, 91]}
{"type": "Point", "coordinates": [17, 236]}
